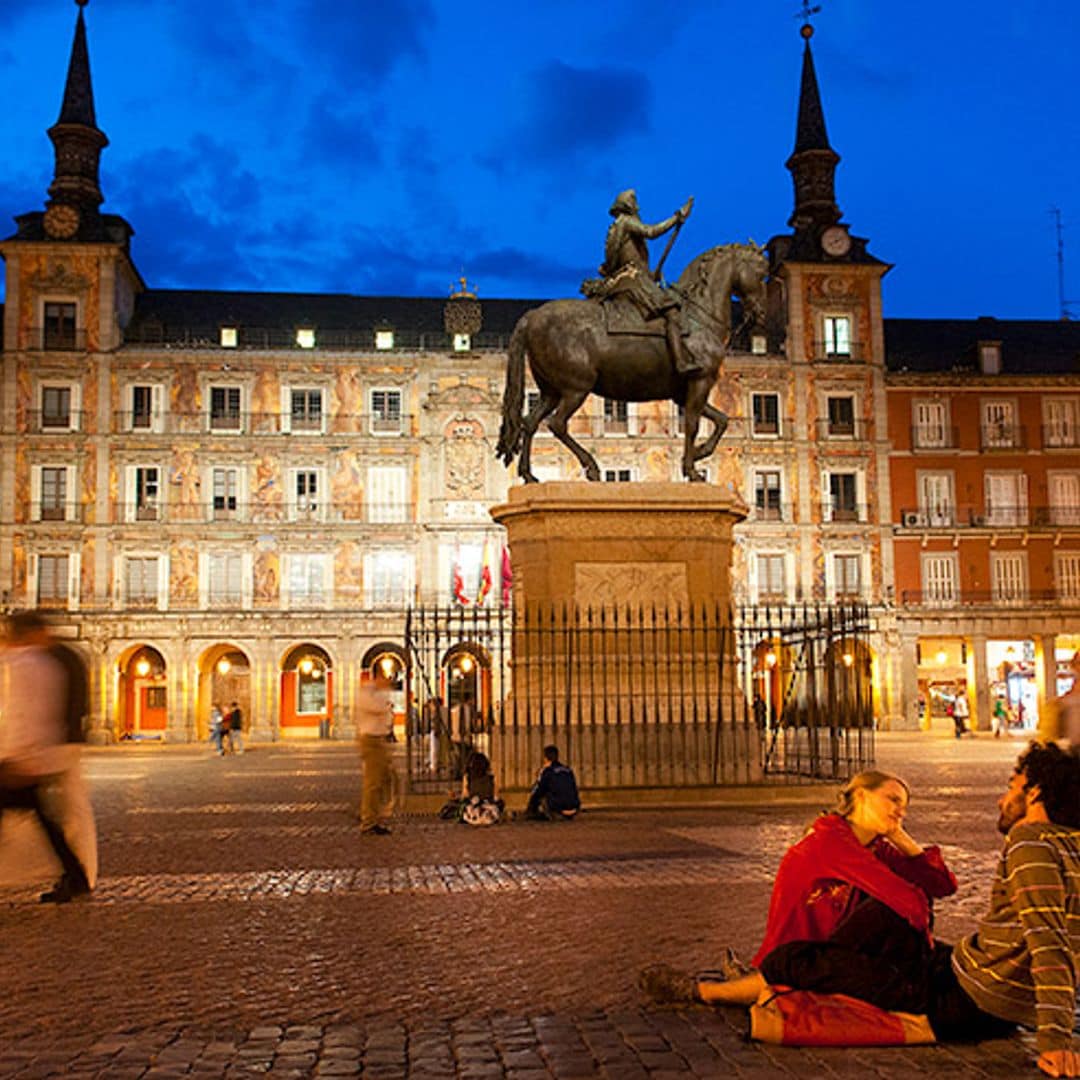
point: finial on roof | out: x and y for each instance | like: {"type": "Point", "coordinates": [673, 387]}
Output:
{"type": "Point", "coordinates": [82, 3]}
{"type": "Point", "coordinates": [806, 13]}
{"type": "Point", "coordinates": [463, 292]}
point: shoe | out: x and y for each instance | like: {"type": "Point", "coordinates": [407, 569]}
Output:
{"type": "Point", "coordinates": [375, 830]}
{"type": "Point", "coordinates": [731, 967]}
{"type": "Point", "coordinates": [63, 892]}
{"type": "Point", "coordinates": [666, 986]}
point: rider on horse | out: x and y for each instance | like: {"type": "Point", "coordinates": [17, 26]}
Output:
{"type": "Point", "coordinates": [626, 273]}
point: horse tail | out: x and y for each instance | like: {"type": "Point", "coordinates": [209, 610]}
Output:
{"type": "Point", "coordinates": [511, 431]}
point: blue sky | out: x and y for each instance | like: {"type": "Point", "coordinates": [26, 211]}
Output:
{"type": "Point", "coordinates": [383, 147]}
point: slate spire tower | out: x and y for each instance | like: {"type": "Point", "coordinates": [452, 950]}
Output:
{"type": "Point", "coordinates": [813, 161]}
{"type": "Point", "coordinates": [75, 191]}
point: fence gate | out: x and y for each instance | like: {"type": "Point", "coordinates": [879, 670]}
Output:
{"type": "Point", "coordinates": [637, 697]}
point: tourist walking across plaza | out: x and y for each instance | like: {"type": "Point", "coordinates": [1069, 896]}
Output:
{"type": "Point", "coordinates": [39, 761]}
{"type": "Point", "coordinates": [374, 731]}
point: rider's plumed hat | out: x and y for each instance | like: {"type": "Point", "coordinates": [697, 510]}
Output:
{"type": "Point", "coordinates": [625, 203]}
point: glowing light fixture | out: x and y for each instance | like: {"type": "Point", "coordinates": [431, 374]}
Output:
{"type": "Point", "coordinates": [770, 659]}
{"type": "Point", "coordinates": [306, 665]}
{"type": "Point", "coordinates": [466, 663]}
{"type": "Point", "coordinates": [848, 659]}
{"type": "Point", "coordinates": [942, 656]}
{"type": "Point", "coordinates": [142, 667]}
{"type": "Point", "coordinates": [389, 666]}
{"type": "Point", "coordinates": [223, 666]}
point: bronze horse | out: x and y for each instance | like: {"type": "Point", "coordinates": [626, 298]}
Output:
{"type": "Point", "coordinates": [571, 355]}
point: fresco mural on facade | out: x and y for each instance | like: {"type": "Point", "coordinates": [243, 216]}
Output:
{"type": "Point", "coordinates": [348, 572]}
{"type": "Point", "coordinates": [267, 577]}
{"type": "Point", "coordinates": [346, 400]}
{"type": "Point", "coordinates": [267, 496]}
{"type": "Point", "coordinates": [183, 575]}
{"type": "Point", "coordinates": [347, 486]}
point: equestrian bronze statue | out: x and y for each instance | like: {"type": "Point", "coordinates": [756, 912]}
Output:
{"type": "Point", "coordinates": [632, 340]}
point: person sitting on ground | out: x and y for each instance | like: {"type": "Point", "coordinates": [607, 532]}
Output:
{"type": "Point", "coordinates": [1019, 967]}
{"type": "Point", "coordinates": [858, 850]}
{"type": "Point", "coordinates": [480, 804]}
{"type": "Point", "coordinates": [554, 796]}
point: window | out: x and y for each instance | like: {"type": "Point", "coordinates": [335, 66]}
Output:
{"type": "Point", "coordinates": [843, 497]}
{"type": "Point", "coordinates": [57, 413]}
{"type": "Point", "coordinates": [616, 417]}
{"type": "Point", "coordinates": [53, 580]}
{"type": "Point", "coordinates": [53, 501]}
{"type": "Point", "coordinates": [225, 580]}
{"type": "Point", "coordinates": [1059, 415]}
{"type": "Point", "coordinates": [225, 408]}
{"type": "Point", "coordinates": [939, 578]}
{"type": "Point", "coordinates": [145, 407]}
{"type": "Point", "coordinates": [999, 430]}
{"type": "Point", "coordinates": [1064, 498]}
{"type": "Point", "coordinates": [847, 576]}
{"type": "Point", "coordinates": [388, 579]}
{"type": "Point", "coordinates": [618, 476]}
{"type": "Point", "coordinates": [230, 336]}
{"type": "Point", "coordinates": [841, 416]}
{"type": "Point", "coordinates": [837, 335]}
{"type": "Point", "coordinates": [59, 325]}
{"type": "Point", "coordinates": [306, 495]}
{"type": "Point", "coordinates": [385, 412]}
{"type": "Point", "coordinates": [1008, 575]}
{"type": "Point", "coordinates": [1067, 575]}
{"type": "Point", "coordinates": [310, 690]}
{"type": "Point", "coordinates": [936, 504]}
{"type": "Point", "coordinates": [384, 339]}
{"type": "Point", "coordinates": [931, 425]}
{"type": "Point", "coordinates": [759, 344]}
{"type": "Point", "coordinates": [771, 578]}
{"type": "Point", "coordinates": [462, 342]}
{"type": "Point", "coordinates": [765, 410]}
{"type": "Point", "coordinates": [1006, 498]}
{"type": "Point", "coordinates": [141, 576]}
{"type": "Point", "coordinates": [143, 493]}
{"type": "Point", "coordinates": [767, 495]}
{"type": "Point", "coordinates": [226, 484]}
{"type": "Point", "coordinates": [308, 580]}
{"type": "Point", "coordinates": [305, 337]}
{"type": "Point", "coordinates": [990, 358]}
{"type": "Point", "coordinates": [305, 411]}
{"type": "Point", "coordinates": [386, 495]}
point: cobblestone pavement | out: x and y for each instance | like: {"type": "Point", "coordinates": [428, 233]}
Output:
{"type": "Point", "coordinates": [242, 927]}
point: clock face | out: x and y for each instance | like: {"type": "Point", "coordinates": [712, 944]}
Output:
{"type": "Point", "coordinates": [61, 221]}
{"type": "Point", "coordinates": [835, 241]}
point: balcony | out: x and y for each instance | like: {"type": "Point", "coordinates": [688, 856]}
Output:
{"type": "Point", "coordinates": [940, 517]}
{"type": "Point", "coordinates": [1002, 436]}
{"type": "Point", "coordinates": [54, 423]}
{"type": "Point", "coordinates": [986, 598]}
{"type": "Point", "coordinates": [843, 514]}
{"type": "Point", "coordinates": [229, 510]}
{"type": "Point", "coordinates": [782, 512]}
{"type": "Point", "coordinates": [253, 423]}
{"type": "Point", "coordinates": [1056, 516]}
{"type": "Point", "coordinates": [824, 351]}
{"type": "Point", "coordinates": [59, 339]}
{"type": "Point", "coordinates": [855, 429]}
{"type": "Point", "coordinates": [1060, 437]}
{"type": "Point", "coordinates": [45, 513]}
{"type": "Point", "coordinates": [934, 437]}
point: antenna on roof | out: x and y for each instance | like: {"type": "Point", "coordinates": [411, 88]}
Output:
{"type": "Point", "coordinates": [1063, 304]}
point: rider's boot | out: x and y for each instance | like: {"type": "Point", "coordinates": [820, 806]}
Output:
{"type": "Point", "coordinates": [685, 361]}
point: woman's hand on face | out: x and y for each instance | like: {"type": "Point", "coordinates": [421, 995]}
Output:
{"type": "Point", "coordinates": [900, 839]}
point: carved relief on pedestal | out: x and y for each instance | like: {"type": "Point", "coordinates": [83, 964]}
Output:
{"type": "Point", "coordinates": [631, 584]}
{"type": "Point", "coordinates": [465, 456]}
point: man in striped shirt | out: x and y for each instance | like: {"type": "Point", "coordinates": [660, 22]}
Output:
{"type": "Point", "coordinates": [1022, 963]}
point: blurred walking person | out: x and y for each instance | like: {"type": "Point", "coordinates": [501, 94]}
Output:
{"type": "Point", "coordinates": [38, 759]}
{"type": "Point", "coordinates": [374, 731]}
{"type": "Point", "coordinates": [234, 725]}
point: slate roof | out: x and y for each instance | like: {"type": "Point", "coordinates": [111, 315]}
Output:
{"type": "Point", "coordinates": [1028, 346]}
{"type": "Point", "coordinates": [272, 318]}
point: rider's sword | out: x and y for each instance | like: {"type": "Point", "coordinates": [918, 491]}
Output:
{"type": "Point", "coordinates": [667, 250]}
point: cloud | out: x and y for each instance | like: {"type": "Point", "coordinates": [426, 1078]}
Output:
{"type": "Point", "coordinates": [576, 111]}
{"type": "Point", "coordinates": [339, 136]}
{"type": "Point", "coordinates": [520, 273]}
{"type": "Point", "coordinates": [363, 41]}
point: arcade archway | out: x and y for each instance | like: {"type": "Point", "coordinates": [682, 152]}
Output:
{"type": "Point", "coordinates": [306, 701]}
{"type": "Point", "coordinates": [142, 693]}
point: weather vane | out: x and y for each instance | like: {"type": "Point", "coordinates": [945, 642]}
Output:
{"type": "Point", "coordinates": [805, 13]}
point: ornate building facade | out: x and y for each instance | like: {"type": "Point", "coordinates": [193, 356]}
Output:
{"type": "Point", "coordinates": [237, 496]}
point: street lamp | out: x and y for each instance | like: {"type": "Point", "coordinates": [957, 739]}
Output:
{"type": "Point", "coordinates": [224, 666]}
{"type": "Point", "coordinates": [142, 667]}
{"type": "Point", "coordinates": [770, 664]}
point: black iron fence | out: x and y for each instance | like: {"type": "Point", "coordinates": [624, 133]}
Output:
{"type": "Point", "coordinates": [637, 697]}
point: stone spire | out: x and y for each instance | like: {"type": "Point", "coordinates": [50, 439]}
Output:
{"type": "Point", "coordinates": [76, 138]}
{"type": "Point", "coordinates": [813, 162]}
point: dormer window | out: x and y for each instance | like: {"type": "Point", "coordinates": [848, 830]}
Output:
{"type": "Point", "coordinates": [305, 337]}
{"type": "Point", "coordinates": [59, 326]}
{"type": "Point", "coordinates": [990, 357]}
{"type": "Point", "coordinates": [462, 342]}
{"type": "Point", "coordinates": [384, 339]}
{"type": "Point", "coordinates": [229, 337]}
{"type": "Point", "coordinates": [758, 344]}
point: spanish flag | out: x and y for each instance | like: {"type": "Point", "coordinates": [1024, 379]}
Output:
{"type": "Point", "coordinates": [459, 583]}
{"type": "Point", "coordinates": [507, 575]}
{"type": "Point", "coordinates": [485, 576]}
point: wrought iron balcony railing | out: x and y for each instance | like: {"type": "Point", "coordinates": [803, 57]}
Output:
{"type": "Point", "coordinates": [1002, 436]}
{"type": "Point", "coordinates": [260, 423]}
{"type": "Point", "coordinates": [50, 339]}
{"type": "Point", "coordinates": [54, 423]}
{"type": "Point", "coordinates": [842, 429]}
{"type": "Point", "coordinates": [231, 510]}
{"type": "Point", "coordinates": [934, 437]}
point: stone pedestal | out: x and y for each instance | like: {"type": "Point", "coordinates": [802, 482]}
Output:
{"type": "Point", "coordinates": [622, 642]}
{"type": "Point", "coordinates": [599, 545]}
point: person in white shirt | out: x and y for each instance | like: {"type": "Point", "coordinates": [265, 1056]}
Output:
{"type": "Point", "coordinates": [374, 728]}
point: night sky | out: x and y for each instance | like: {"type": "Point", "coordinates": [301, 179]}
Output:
{"type": "Point", "coordinates": [384, 147]}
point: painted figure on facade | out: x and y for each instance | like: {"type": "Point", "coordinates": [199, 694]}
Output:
{"type": "Point", "coordinates": [625, 343]}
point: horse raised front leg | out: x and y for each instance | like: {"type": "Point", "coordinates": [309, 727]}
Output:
{"type": "Point", "coordinates": [566, 408]}
{"type": "Point", "coordinates": [720, 422]}
{"type": "Point", "coordinates": [547, 402]}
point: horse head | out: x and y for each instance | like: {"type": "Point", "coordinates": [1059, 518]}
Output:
{"type": "Point", "coordinates": [711, 279]}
